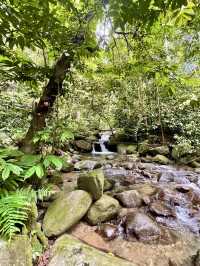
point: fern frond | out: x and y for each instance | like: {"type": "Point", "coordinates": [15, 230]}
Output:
{"type": "Point", "coordinates": [14, 211]}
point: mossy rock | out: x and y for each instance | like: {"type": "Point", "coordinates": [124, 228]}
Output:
{"type": "Point", "coordinates": [161, 159]}
{"type": "Point", "coordinates": [92, 182]}
{"type": "Point", "coordinates": [70, 251]}
{"type": "Point", "coordinates": [103, 210]}
{"type": "Point", "coordinates": [65, 212]}
{"type": "Point", "coordinates": [16, 253]}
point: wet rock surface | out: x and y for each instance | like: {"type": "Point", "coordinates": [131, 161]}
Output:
{"type": "Point", "coordinates": [103, 210]}
{"type": "Point", "coordinates": [93, 182]}
{"type": "Point", "coordinates": [149, 213]}
{"type": "Point", "coordinates": [142, 226]}
{"type": "Point", "coordinates": [66, 211]}
{"type": "Point", "coordinates": [71, 252]}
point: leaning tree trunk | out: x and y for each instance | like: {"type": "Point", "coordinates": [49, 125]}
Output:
{"type": "Point", "coordinates": [46, 102]}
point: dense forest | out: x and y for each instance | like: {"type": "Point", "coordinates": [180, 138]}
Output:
{"type": "Point", "coordinates": [100, 132]}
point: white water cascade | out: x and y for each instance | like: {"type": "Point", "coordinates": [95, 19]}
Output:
{"type": "Point", "coordinates": [104, 138]}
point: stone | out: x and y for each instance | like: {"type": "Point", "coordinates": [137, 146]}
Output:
{"type": "Point", "coordinates": [92, 182]}
{"type": "Point", "coordinates": [83, 145]}
{"type": "Point", "coordinates": [131, 149]}
{"type": "Point", "coordinates": [107, 185]}
{"type": "Point", "coordinates": [16, 253]}
{"type": "Point", "coordinates": [122, 148]}
{"type": "Point", "coordinates": [182, 250]}
{"type": "Point", "coordinates": [87, 165]}
{"type": "Point", "coordinates": [130, 198]}
{"type": "Point", "coordinates": [69, 251]}
{"type": "Point", "coordinates": [143, 227]}
{"type": "Point", "coordinates": [161, 209]}
{"type": "Point", "coordinates": [144, 148]}
{"type": "Point", "coordinates": [163, 150]}
{"type": "Point", "coordinates": [161, 159]}
{"type": "Point", "coordinates": [109, 231]}
{"type": "Point", "coordinates": [146, 189]}
{"type": "Point", "coordinates": [65, 212]}
{"type": "Point", "coordinates": [103, 210]}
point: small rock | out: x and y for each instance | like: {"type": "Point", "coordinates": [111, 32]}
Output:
{"type": "Point", "coordinates": [83, 145]}
{"type": "Point", "coordinates": [109, 231]}
{"type": "Point", "coordinates": [65, 212]}
{"type": "Point", "coordinates": [159, 208]}
{"type": "Point", "coordinates": [87, 165]}
{"type": "Point", "coordinates": [103, 210]}
{"type": "Point", "coordinates": [143, 227]}
{"type": "Point", "coordinates": [130, 198]}
{"type": "Point", "coordinates": [92, 182]}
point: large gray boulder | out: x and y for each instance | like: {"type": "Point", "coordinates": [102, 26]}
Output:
{"type": "Point", "coordinates": [68, 251]}
{"type": "Point", "coordinates": [65, 212]}
{"type": "Point", "coordinates": [92, 182]}
{"type": "Point", "coordinates": [16, 253]}
{"type": "Point", "coordinates": [103, 210]}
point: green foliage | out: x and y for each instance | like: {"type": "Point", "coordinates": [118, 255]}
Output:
{"type": "Point", "coordinates": [15, 208]}
{"type": "Point", "coordinates": [56, 135]}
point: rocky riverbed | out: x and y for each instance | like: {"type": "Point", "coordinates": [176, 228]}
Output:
{"type": "Point", "coordinates": [120, 210]}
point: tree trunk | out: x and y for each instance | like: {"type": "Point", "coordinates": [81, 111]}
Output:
{"type": "Point", "coordinates": [46, 102]}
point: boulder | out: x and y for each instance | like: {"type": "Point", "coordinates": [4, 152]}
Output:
{"type": "Point", "coordinates": [163, 150]}
{"type": "Point", "coordinates": [161, 209]}
{"type": "Point", "coordinates": [66, 211]}
{"type": "Point", "coordinates": [121, 149]}
{"type": "Point", "coordinates": [130, 198]}
{"type": "Point", "coordinates": [87, 165]}
{"type": "Point", "coordinates": [124, 148]}
{"type": "Point", "coordinates": [69, 251]}
{"type": "Point", "coordinates": [143, 227]}
{"type": "Point", "coordinates": [144, 148]}
{"type": "Point", "coordinates": [161, 159]}
{"type": "Point", "coordinates": [103, 210]}
{"type": "Point", "coordinates": [92, 182]}
{"type": "Point", "coordinates": [83, 145]}
{"type": "Point", "coordinates": [131, 149]}
{"type": "Point", "coordinates": [16, 253]}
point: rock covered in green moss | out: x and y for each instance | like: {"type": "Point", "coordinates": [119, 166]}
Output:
{"type": "Point", "coordinates": [16, 253]}
{"type": "Point", "coordinates": [160, 159]}
{"type": "Point", "coordinates": [65, 212]}
{"type": "Point", "coordinates": [69, 251]}
{"type": "Point", "coordinates": [103, 210]}
{"type": "Point", "coordinates": [92, 182]}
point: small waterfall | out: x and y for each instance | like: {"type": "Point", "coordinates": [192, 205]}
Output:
{"type": "Point", "coordinates": [104, 138]}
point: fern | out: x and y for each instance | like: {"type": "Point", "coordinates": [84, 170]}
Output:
{"type": "Point", "coordinates": [15, 209]}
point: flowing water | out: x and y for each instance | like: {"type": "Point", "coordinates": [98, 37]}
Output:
{"type": "Point", "coordinates": [105, 136]}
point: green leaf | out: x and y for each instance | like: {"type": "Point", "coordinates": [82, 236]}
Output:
{"type": "Point", "coordinates": [15, 169]}
{"type": "Point", "coordinates": [56, 161]}
{"type": "Point", "coordinates": [30, 172]}
{"type": "Point", "coordinates": [5, 173]}
{"type": "Point", "coordinates": [39, 170]}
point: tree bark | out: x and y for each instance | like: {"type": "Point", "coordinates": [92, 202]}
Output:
{"type": "Point", "coordinates": [47, 100]}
